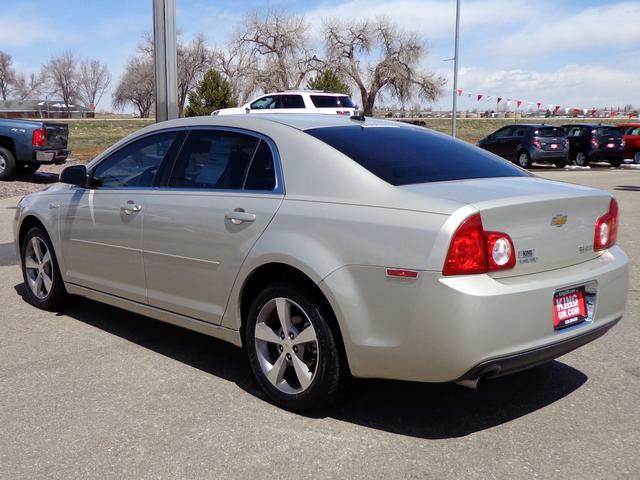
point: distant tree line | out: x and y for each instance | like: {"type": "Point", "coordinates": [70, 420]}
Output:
{"type": "Point", "coordinates": [63, 77]}
{"type": "Point", "coordinates": [270, 51]}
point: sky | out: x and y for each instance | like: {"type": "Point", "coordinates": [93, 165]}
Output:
{"type": "Point", "coordinates": [574, 53]}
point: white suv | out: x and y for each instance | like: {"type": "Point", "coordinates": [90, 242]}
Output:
{"type": "Point", "coordinates": [295, 101]}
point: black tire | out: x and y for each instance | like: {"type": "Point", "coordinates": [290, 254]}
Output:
{"type": "Point", "coordinates": [57, 295]}
{"type": "Point", "coordinates": [560, 164]}
{"type": "Point", "coordinates": [523, 159]}
{"type": "Point", "coordinates": [7, 164]}
{"type": "Point", "coordinates": [330, 371]}
{"type": "Point", "coordinates": [615, 163]}
{"type": "Point", "coordinates": [636, 157]}
{"type": "Point", "coordinates": [581, 159]}
{"type": "Point", "coordinates": [27, 168]}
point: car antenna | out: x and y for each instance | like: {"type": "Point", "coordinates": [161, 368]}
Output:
{"type": "Point", "coordinates": [359, 116]}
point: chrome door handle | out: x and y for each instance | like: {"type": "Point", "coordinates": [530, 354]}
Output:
{"type": "Point", "coordinates": [239, 216]}
{"type": "Point", "coordinates": [130, 207]}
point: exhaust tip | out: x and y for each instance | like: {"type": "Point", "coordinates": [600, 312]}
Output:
{"type": "Point", "coordinates": [472, 383]}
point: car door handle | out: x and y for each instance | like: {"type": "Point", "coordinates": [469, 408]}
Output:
{"type": "Point", "coordinates": [130, 208]}
{"type": "Point", "coordinates": [239, 216]}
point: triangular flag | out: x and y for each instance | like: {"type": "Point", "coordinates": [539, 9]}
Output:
{"type": "Point", "coordinates": [538, 104]}
{"type": "Point", "coordinates": [519, 103]}
{"type": "Point", "coordinates": [489, 97]}
{"type": "Point", "coordinates": [499, 98]}
{"type": "Point", "coordinates": [479, 96]}
{"type": "Point", "coordinates": [508, 102]}
{"type": "Point", "coordinates": [556, 109]}
{"type": "Point", "coordinates": [459, 92]}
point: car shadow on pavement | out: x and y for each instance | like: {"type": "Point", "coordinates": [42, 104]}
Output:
{"type": "Point", "coordinates": [431, 411]}
{"type": "Point", "coordinates": [43, 178]}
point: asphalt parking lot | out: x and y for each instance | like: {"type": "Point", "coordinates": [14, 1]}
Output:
{"type": "Point", "coordinates": [96, 392]}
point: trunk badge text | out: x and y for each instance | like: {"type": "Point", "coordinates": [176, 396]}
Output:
{"type": "Point", "coordinates": [559, 220]}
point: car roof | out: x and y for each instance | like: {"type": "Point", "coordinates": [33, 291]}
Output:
{"type": "Point", "coordinates": [315, 92]}
{"type": "Point", "coordinates": [589, 125]}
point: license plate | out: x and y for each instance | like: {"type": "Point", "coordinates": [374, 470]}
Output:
{"type": "Point", "coordinates": [569, 308]}
{"type": "Point", "coordinates": [554, 146]}
{"type": "Point", "coordinates": [611, 145]}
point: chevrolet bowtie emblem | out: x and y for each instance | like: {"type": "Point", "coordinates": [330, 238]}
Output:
{"type": "Point", "coordinates": [559, 220]}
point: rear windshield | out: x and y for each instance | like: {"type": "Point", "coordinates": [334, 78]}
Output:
{"type": "Point", "coordinates": [331, 101]}
{"type": "Point", "coordinates": [405, 155]}
{"type": "Point", "coordinates": [550, 132]}
{"type": "Point", "coordinates": [608, 132]}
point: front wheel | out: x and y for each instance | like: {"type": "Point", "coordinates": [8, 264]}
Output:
{"type": "Point", "coordinates": [581, 159]}
{"type": "Point", "coordinates": [292, 350]}
{"type": "Point", "coordinates": [524, 160]}
{"type": "Point", "coordinates": [42, 279]}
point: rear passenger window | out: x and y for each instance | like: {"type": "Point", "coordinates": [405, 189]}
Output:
{"type": "Point", "coordinates": [261, 174]}
{"type": "Point", "coordinates": [213, 160]}
{"type": "Point", "coordinates": [292, 101]}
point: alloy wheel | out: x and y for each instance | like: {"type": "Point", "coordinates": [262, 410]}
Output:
{"type": "Point", "coordinates": [38, 268]}
{"type": "Point", "coordinates": [636, 157]}
{"type": "Point", "coordinates": [286, 345]}
{"type": "Point", "coordinates": [581, 159]}
{"type": "Point", "coordinates": [3, 163]}
{"type": "Point", "coordinates": [523, 160]}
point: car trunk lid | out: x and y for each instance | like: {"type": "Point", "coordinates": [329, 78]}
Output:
{"type": "Point", "coordinates": [552, 224]}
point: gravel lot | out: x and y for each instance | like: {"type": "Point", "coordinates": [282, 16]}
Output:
{"type": "Point", "coordinates": [96, 392]}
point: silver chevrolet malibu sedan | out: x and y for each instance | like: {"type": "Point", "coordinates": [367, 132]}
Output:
{"type": "Point", "coordinates": [331, 247]}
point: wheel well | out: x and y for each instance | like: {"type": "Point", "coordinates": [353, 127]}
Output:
{"type": "Point", "coordinates": [7, 142]}
{"type": "Point", "coordinates": [280, 272]}
{"type": "Point", "coordinates": [28, 223]}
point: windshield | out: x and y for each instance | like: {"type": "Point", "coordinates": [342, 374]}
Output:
{"type": "Point", "coordinates": [403, 155]}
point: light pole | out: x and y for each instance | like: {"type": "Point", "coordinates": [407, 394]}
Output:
{"type": "Point", "coordinates": [454, 111]}
{"type": "Point", "coordinates": [165, 56]}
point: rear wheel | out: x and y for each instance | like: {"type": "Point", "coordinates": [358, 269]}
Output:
{"type": "Point", "coordinates": [636, 157]}
{"type": "Point", "coordinates": [560, 164]}
{"type": "Point", "coordinates": [7, 164]}
{"type": "Point", "coordinates": [581, 160]}
{"type": "Point", "coordinates": [615, 163]}
{"type": "Point", "coordinates": [27, 168]}
{"type": "Point", "coordinates": [292, 350]}
{"type": "Point", "coordinates": [524, 160]}
{"type": "Point", "coordinates": [42, 279]}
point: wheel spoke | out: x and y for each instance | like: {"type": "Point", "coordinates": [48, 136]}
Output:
{"type": "Point", "coordinates": [35, 244]}
{"type": "Point", "coordinates": [38, 285]}
{"type": "Point", "coordinates": [302, 371]}
{"type": "Point", "coordinates": [48, 282]}
{"type": "Point", "coordinates": [284, 315]}
{"type": "Point", "coordinates": [266, 334]}
{"type": "Point", "coordinates": [277, 371]}
{"type": "Point", "coordinates": [46, 259]}
{"type": "Point", "coordinates": [307, 335]}
{"type": "Point", "coordinates": [30, 264]}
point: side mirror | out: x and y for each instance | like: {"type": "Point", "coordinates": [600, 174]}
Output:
{"type": "Point", "coordinates": [247, 109]}
{"type": "Point", "coordinates": [74, 175]}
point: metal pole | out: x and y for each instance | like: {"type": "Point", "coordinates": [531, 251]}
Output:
{"type": "Point", "coordinates": [164, 41]}
{"type": "Point", "coordinates": [454, 111]}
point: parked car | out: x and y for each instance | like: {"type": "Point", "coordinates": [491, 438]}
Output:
{"type": "Point", "coordinates": [526, 144]}
{"type": "Point", "coordinates": [327, 246]}
{"type": "Point", "coordinates": [631, 135]}
{"type": "Point", "coordinates": [295, 101]}
{"type": "Point", "coordinates": [27, 144]}
{"type": "Point", "coordinates": [595, 143]}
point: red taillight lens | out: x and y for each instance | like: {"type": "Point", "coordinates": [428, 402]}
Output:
{"type": "Point", "coordinates": [537, 143]}
{"type": "Point", "coordinates": [39, 137]}
{"type": "Point", "coordinates": [606, 233]}
{"type": "Point", "coordinates": [472, 250]}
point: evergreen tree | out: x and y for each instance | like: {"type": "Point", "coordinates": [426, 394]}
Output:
{"type": "Point", "coordinates": [329, 81]}
{"type": "Point", "coordinates": [212, 93]}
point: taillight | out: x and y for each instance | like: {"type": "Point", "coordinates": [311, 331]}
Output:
{"type": "Point", "coordinates": [472, 250]}
{"type": "Point", "coordinates": [594, 143]}
{"type": "Point", "coordinates": [606, 233]}
{"type": "Point", "coordinates": [39, 138]}
{"type": "Point", "coordinates": [537, 143]}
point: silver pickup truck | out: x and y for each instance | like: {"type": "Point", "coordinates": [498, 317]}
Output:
{"type": "Point", "coordinates": [27, 144]}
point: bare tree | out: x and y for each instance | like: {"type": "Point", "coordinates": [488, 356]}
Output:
{"type": "Point", "coordinates": [28, 86]}
{"type": "Point", "coordinates": [7, 74]}
{"type": "Point", "coordinates": [194, 59]}
{"type": "Point", "coordinates": [137, 85]}
{"type": "Point", "coordinates": [277, 43]}
{"type": "Point", "coordinates": [93, 82]}
{"type": "Point", "coordinates": [236, 64]}
{"type": "Point", "coordinates": [63, 77]}
{"type": "Point", "coordinates": [378, 56]}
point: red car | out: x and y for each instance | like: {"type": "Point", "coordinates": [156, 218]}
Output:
{"type": "Point", "coordinates": [631, 132]}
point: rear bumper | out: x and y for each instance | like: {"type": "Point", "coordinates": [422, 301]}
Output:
{"type": "Point", "coordinates": [50, 155]}
{"type": "Point", "coordinates": [515, 362]}
{"type": "Point", "coordinates": [441, 329]}
{"type": "Point", "coordinates": [547, 156]}
{"type": "Point", "coordinates": [606, 155]}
